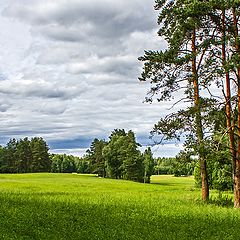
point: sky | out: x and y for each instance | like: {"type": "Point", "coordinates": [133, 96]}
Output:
{"type": "Point", "coordinates": [69, 71]}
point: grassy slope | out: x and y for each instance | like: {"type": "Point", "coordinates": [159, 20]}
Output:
{"type": "Point", "coordinates": [68, 206]}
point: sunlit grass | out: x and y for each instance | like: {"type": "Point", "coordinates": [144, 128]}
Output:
{"type": "Point", "coordinates": [69, 206]}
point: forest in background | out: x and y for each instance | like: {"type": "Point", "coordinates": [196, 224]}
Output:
{"type": "Point", "coordinates": [117, 158]}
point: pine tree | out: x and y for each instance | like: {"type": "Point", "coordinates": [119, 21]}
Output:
{"type": "Point", "coordinates": [40, 156]}
{"type": "Point", "coordinates": [133, 165]}
{"type": "Point", "coordinates": [67, 164]}
{"type": "Point", "coordinates": [225, 17]}
{"type": "Point", "coordinates": [10, 158]}
{"type": "Point", "coordinates": [114, 154]}
{"type": "Point", "coordinates": [123, 159]}
{"type": "Point", "coordinates": [24, 156]}
{"type": "Point", "coordinates": [148, 165]}
{"type": "Point", "coordinates": [96, 157]}
{"type": "Point", "coordinates": [185, 28]}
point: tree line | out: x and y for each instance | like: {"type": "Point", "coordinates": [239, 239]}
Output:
{"type": "Point", "coordinates": [25, 156]}
{"type": "Point", "coordinates": [118, 158]}
{"type": "Point", "coordinates": [202, 65]}
{"type": "Point", "coordinates": [32, 155]}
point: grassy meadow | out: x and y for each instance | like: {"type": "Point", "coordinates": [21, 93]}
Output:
{"type": "Point", "coordinates": [71, 206]}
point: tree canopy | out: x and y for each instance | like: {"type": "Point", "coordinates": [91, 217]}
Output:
{"type": "Point", "coordinates": [203, 55]}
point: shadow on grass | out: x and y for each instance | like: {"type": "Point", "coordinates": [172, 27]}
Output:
{"type": "Point", "coordinates": [23, 218]}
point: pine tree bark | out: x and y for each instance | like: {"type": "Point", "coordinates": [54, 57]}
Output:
{"type": "Point", "coordinates": [198, 122]}
{"type": "Point", "coordinates": [229, 117]}
{"type": "Point", "coordinates": [236, 165]}
{"type": "Point", "coordinates": [228, 90]}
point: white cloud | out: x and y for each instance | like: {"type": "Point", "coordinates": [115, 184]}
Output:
{"type": "Point", "coordinates": [170, 150]}
{"type": "Point", "coordinates": [69, 68]}
{"type": "Point", "coordinates": [37, 88]}
{"type": "Point", "coordinates": [75, 152]}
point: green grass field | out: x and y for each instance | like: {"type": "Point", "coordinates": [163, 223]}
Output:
{"type": "Point", "coordinates": [70, 206]}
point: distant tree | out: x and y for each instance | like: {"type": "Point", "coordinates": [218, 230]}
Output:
{"type": "Point", "coordinates": [133, 168]}
{"type": "Point", "coordinates": [2, 160]}
{"type": "Point", "coordinates": [115, 154]}
{"type": "Point", "coordinates": [63, 163]}
{"type": "Point", "coordinates": [184, 164]}
{"type": "Point", "coordinates": [96, 158]}
{"type": "Point", "coordinates": [133, 164]}
{"type": "Point", "coordinates": [9, 158]}
{"type": "Point", "coordinates": [164, 165]}
{"type": "Point", "coordinates": [68, 164]}
{"type": "Point", "coordinates": [24, 156]}
{"type": "Point", "coordinates": [56, 163]}
{"type": "Point", "coordinates": [82, 165]}
{"type": "Point", "coordinates": [123, 159]}
{"type": "Point", "coordinates": [148, 165]}
{"type": "Point", "coordinates": [40, 156]}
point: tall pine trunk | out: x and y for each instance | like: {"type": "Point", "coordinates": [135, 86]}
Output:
{"type": "Point", "coordinates": [198, 122]}
{"type": "Point", "coordinates": [236, 164]}
{"type": "Point", "coordinates": [229, 117]}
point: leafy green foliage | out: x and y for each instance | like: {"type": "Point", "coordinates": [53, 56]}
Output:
{"type": "Point", "coordinates": [148, 165]}
{"type": "Point", "coordinates": [184, 164]}
{"type": "Point", "coordinates": [164, 166]}
{"type": "Point", "coordinates": [24, 156]}
{"type": "Point", "coordinates": [123, 159]}
{"type": "Point", "coordinates": [219, 171]}
{"type": "Point", "coordinates": [95, 156]}
{"type": "Point", "coordinates": [63, 163]}
{"type": "Point", "coordinates": [9, 158]}
{"type": "Point", "coordinates": [40, 156]}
